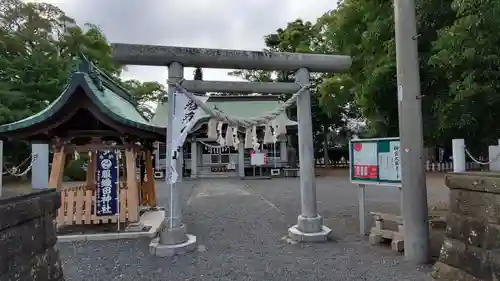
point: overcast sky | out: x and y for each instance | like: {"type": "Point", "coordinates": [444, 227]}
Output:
{"type": "Point", "coordinates": [228, 24]}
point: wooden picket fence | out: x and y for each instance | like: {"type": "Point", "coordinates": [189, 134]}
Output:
{"type": "Point", "coordinates": [78, 207]}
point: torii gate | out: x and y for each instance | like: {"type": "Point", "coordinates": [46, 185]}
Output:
{"type": "Point", "coordinates": [309, 227]}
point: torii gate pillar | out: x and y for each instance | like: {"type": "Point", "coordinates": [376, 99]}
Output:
{"type": "Point", "coordinates": [309, 227]}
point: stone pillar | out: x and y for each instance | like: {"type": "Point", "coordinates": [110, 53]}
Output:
{"type": "Point", "coordinates": [471, 247]}
{"type": "Point", "coordinates": [309, 227]}
{"type": "Point", "coordinates": [458, 150]}
{"type": "Point", "coordinates": [28, 237]}
{"type": "Point", "coordinates": [172, 238]}
{"type": "Point", "coordinates": [40, 168]}
{"type": "Point", "coordinates": [283, 150]}
{"type": "Point", "coordinates": [194, 159]}
{"type": "Point", "coordinates": [241, 160]}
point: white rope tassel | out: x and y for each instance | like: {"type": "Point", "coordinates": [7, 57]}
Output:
{"type": "Point", "coordinates": [248, 138]}
{"type": "Point", "coordinates": [268, 135]}
{"type": "Point", "coordinates": [275, 134]}
{"type": "Point", "coordinates": [221, 141]}
{"type": "Point", "coordinates": [212, 129]}
{"type": "Point", "coordinates": [255, 140]}
{"type": "Point", "coordinates": [229, 136]}
{"type": "Point", "coordinates": [236, 140]}
{"type": "Point", "coordinates": [280, 125]}
{"type": "Point", "coordinates": [220, 138]}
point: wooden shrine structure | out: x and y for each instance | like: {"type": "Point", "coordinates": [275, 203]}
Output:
{"type": "Point", "coordinates": [93, 113]}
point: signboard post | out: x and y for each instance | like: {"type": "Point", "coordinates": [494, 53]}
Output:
{"type": "Point", "coordinates": [373, 162]}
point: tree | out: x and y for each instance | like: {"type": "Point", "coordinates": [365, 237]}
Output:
{"type": "Point", "coordinates": [146, 94]}
{"type": "Point", "coordinates": [198, 74]}
{"type": "Point", "coordinates": [467, 55]}
{"type": "Point", "coordinates": [364, 30]}
{"type": "Point", "coordinates": [37, 45]}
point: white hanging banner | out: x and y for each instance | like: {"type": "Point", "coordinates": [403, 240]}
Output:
{"type": "Point", "coordinates": [186, 114]}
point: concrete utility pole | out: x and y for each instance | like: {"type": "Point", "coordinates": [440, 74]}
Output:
{"type": "Point", "coordinates": [414, 189]}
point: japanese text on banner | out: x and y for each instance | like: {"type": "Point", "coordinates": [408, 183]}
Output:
{"type": "Point", "coordinates": [106, 183]}
{"type": "Point", "coordinates": [186, 114]}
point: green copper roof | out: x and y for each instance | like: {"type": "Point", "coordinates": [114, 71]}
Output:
{"type": "Point", "coordinates": [245, 107]}
{"type": "Point", "coordinates": [111, 99]}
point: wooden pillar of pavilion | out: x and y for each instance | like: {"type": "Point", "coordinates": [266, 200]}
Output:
{"type": "Point", "coordinates": [57, 169]}
{"type": "Point", "coordinates": [148, 187]}
{"type": "Point", "coordinates": [132, 185]}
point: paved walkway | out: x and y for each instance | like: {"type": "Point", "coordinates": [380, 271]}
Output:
{"type": "Point", "coordinates": [240, 226]}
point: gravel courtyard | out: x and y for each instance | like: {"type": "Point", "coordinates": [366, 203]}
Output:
{"type": "Point", "coordinates": [240, 226]}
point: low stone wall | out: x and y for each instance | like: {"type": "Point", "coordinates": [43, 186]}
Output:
{"type": "Point", "coordinates": [471, 248]}
{"type": "Point", "coordinates": [28, 238]}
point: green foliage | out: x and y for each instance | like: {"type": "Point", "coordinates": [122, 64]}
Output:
{"type": "Point", "coordinates": [74, 171]}
{"type": "Point", "coordinates": [37, 45]}
{"type": "Point", "coordinates": [198, 74]}
{"type": "Point", "coordinates": [467, 52]}
{"type": "Point", "coordinates": [145, 93]}
{"type": "Point", "coordinates": [459, 51]}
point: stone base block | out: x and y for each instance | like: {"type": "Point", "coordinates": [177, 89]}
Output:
{"type": "Point", "coordinates": [298, 235]}
{"type": "Point", "coordinates": [134, 227]}
{"type": "Point", "coordinates": [398, 245]}
{"type": "Point", "coordinates": [310, 224]}
{"type": "Point", "coordinates": [375, 238]}
{"type": "Point", "coordinates": [173, 236]}
{"type": "Point", "coordinates": [159, 250]}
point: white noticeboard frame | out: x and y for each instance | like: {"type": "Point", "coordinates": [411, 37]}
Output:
{"type": "Point", "coordinates": [375, 161]}
{"type": "Point", "coordinates": [258, 159]}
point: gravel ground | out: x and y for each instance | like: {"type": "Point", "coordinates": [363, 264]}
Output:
{"type": "Point", "coordinates": [240, 227]}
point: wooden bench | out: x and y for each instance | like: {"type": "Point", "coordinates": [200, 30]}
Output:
{"type": "Point", "coordinates": [291, 172]}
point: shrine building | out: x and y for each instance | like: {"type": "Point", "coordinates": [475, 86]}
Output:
{"type": "Point", "coordinates": [203, 157]}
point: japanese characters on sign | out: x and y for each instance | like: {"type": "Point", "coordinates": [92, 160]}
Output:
{"type": "Point", "coordinates": [107, 183]}
{"type": "Point", "coordinates": [397, 166]}
{"type": "Point", "coordinates": [375, 161]}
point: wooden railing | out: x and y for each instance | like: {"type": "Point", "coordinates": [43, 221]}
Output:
{"type": "Point", "coordinates": [78, 206]}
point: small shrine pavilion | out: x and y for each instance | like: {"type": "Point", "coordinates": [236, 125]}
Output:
{"type": "Point", "coordinates": [94, 113]}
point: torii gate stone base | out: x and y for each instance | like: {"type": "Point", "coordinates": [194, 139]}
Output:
{"type": "Point", "coordinates": [309, 228]}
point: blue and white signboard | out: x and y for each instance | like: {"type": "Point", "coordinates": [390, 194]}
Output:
{"type": "Point", "coordinates": [107, 183]}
